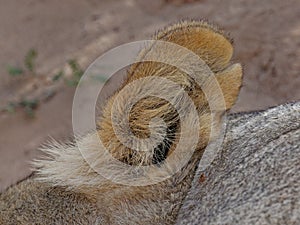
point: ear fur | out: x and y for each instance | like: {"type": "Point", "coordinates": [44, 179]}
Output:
{"type": "Point", "coordinates": [230, 81]}
{"type": "Point", "coordinates": [214, 47]}
{"type": "Point", "coordinates": [210, 43]}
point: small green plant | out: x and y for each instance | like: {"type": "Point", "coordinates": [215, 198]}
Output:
{"type": "Point", "coordinates": [11, 107]}
{"type": "Point", "coordinates": [14, 71]}
{"type": "Point", "coordinates": [77, 72]}
{"type": "Point", "coordinates": [29, 106]}
{"type": "Point", "coordinates": [29, 60]}
{"type": "Point", "coordinates": [58, 76]}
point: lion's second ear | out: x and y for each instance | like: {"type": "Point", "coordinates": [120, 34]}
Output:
{"type": "Point", "coordinates": [208, 42]}
{"type": "Point", "coordinates": [230, 81]}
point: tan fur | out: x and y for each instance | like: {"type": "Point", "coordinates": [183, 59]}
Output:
{"type": "Point", "coordinates": [67, 177]}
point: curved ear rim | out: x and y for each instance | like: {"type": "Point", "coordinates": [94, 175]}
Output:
{"type": "Point", "coordinates": [191, 24]}
{"type": "Point", "coordinates": [230, 81]}
{"type": "Point", "coordinates": [209, 42]}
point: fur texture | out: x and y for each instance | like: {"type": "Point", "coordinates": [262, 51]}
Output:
{"type": "Point", "coordinates": [65, 190]}
{"type": "Point", "coordinates": [255, 177]}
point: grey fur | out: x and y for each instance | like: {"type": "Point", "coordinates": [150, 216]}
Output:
{"type": "Point", "coordinates": [255, 178]}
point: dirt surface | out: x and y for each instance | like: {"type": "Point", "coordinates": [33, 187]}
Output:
{"type": "Point", "coordinates": [266, 36]}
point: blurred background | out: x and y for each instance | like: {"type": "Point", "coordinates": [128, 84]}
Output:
{"type": "Point", "coordinates": [46, 45]}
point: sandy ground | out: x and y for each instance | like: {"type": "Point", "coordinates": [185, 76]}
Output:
{"type": "Point", "coordinates": [266, 35]}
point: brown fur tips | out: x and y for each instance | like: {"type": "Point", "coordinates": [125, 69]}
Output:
{"type": "Point", "coordinates": [67, 190]}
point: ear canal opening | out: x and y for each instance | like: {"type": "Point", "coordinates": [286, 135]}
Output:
{"type": "Point", "coordinates": [162, 150]}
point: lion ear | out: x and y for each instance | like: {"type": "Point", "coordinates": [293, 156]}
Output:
{"type": "Point", "coordinates": [230, 81]}
{"type": "Point", "coordinates": [207, 41]}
